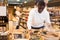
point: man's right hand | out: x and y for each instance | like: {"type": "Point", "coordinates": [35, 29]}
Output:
{"type": "Point", "coordinates": [30, 31]}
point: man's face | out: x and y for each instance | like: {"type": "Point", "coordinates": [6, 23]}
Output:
{"type": "Point", "coordinates": [40, 8]}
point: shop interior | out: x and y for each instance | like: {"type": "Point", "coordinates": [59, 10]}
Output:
{"type": "Point", "coordinates": [8, 29]}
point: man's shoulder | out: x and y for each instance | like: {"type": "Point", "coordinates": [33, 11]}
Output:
{"type": "Point", "coordinates": [46, 13]}
{"type": "Point", "coordinates": [33, 9]}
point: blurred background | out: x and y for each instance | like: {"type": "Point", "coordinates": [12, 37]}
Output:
{"type": "Point", "coordinates": [8, 23]}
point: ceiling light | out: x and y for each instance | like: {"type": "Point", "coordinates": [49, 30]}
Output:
{"type": "Point", "coordinates": [25, 1]}
{"type": "Point", "coordinates": [18, 0]}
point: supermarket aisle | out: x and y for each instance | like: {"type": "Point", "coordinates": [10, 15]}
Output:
{"type": "Point", "coordinates": [11, 33]}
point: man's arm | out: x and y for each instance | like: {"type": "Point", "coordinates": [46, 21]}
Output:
{"type": "Point", "coordinates": [29, 22]}
{"type": "Point", "coordinates": [48, 22]}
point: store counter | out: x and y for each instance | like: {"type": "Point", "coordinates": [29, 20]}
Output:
{"type": "Point", "coordinates": [21, 39]}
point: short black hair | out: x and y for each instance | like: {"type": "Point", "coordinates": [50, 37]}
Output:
{"type": "Point", "coordinates": [36, 1]}
{"type": "Point", "coordinates": [41, 3]}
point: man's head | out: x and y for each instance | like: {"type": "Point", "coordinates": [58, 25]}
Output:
{"type": "Point", "coordinates": [41, 6]}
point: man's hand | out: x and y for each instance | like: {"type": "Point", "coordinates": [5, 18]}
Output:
{"type": "Point", "coordinates": [30, 31]}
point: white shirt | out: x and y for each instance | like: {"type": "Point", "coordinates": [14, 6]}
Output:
{"type": "Point", "coordinates": [37, 19]}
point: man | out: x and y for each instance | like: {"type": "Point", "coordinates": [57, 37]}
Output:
{"type": "Point", "coordinates": [38, 17]}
